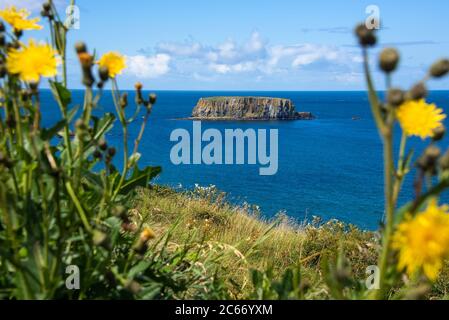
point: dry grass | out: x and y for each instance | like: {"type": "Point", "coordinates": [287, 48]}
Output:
{"type": "Point", "coordinates": [245, 241]}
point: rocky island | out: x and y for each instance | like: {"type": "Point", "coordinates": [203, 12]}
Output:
{"type": "Point", "coordinates": [247, 108]}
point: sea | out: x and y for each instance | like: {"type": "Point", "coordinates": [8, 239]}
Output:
{"type": "Point", "coordinates": [330, 167]}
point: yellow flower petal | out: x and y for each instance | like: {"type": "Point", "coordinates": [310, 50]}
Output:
{"type": "Point", "coordinates": [33, 61]}
{"type": "Point", "coordinates": [114, 62]}
{"type": "Point", "coordinates": [423, 241]}
{"type": "Point", "coordinates": [417, 118]}
{"type": "Point", "coordinates": [18, 19]}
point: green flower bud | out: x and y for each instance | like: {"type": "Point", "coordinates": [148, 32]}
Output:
{"type": "Point", "coordinates": [438, 133]}
{"type": "Point", "coordinates": [366, 37]}
{"type": "Point", "coordinates": [99, 238]}
{"type": "Point", "coordinates": [429, 159]}
{"type": "Point", "coordinates": [133, 286]}
{"type": "Point", "coordinates": [124, 100]}
{"type": "Point", "coordinates": [395, 97]}
{"type": "Point", "coordinates": [440, 68]}
{"type": "Point", "coordinates": [417, 92]}
{"type": "Point", "coordinates": [103, 72]}
{"type": "Point", "coordinates": [389, 59]}
{"type": "Point", "coordinates": [46, 6]}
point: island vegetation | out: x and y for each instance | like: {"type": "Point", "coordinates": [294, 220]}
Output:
{"type": "Point", "coordinates": [247, 108]}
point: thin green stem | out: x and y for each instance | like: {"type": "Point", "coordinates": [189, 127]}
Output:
{"type": "Point", "coordinates": [124, 124]}
{"type": "Point", "coordinates": [373, 98]}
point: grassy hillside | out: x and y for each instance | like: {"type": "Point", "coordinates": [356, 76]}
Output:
{"type": "Point", "coordinates": [246, 241]}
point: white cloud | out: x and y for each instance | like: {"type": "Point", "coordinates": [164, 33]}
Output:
{"type": "Point", "coordinates": [148, 66]}
{"type": "Point", "coordinates": [254, 57]}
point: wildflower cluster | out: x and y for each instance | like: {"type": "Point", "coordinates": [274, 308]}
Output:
{"type": "Point", "coordinates": [414, 237]}
{"type": "Point", "coordinates": [62, 200]}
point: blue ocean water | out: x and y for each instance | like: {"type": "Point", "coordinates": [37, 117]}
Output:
{"type": "Point", "coordinates": [329, 167]}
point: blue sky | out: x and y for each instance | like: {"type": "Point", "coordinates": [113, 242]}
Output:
{"type": "Point", "coordinates": [255, 44]}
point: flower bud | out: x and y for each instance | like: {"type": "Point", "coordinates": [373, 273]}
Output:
{"type": "Point", "coordinates": [100, 238]}
{"type": "Point", "coordinates": [417, 92]}
{"type": "Point", "coordinates": [140, 247]}
{"type": "Point", "coordinates": [46, 6]}
{"type": "Point", "coordinates": [428, 160]}
{"type": "Point", "coordinates": [389, 59]}
{"type": "Point", "coordinates": [395, 97]}
{"type": "Point", "coordinates": [124, 100]}
{"type": "Point", "coordinates": [103, 145]}
{"type": "Point", "coordinates": [440, 68]}
{"type": "Point", "coordinates": [98, 154]}
{"type": "Point", "coordinates": [80, 47]}
{"type": "Point", "coordinates": [86, 61]}
{"type": "Point", "coordinates": [2, 40]}
{"type": "Point", "coordinates": [153, 98]}
{"type": "Point", "coordinates": [139, 97]}
{"type": "Point", "coordinates": [112, 151]}
{"type": "Point", "coordinates": [18, 33]}
{"type": "Point", "coordinates": [138, 86]}
{"type": "Point", "coordinates": [103, 72]}
{"type": "Point", "coordinates": [366, 37]}
{"type": "Point", "coordinates": [2, 27]}
{"type": "Point", "coordinates": [133, 286]}
{"type": "Point", "coordinates": [438, 133]}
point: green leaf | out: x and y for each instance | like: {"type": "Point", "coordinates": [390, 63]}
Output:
{"type": "Point", "coordinates": [140, 178]}
{"type": "Point", "coordinates": [48, 134]}
{"type": "Point", "coordinates": [138, 269]}
{"type": "Point", "coordinates": [61, 93]}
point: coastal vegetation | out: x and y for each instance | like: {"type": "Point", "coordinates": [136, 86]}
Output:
{"type": "Point", "coordinates": [75, 226]}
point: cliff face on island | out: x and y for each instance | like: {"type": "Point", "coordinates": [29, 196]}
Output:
{"type": "Point", "coordinates": [247, 108]}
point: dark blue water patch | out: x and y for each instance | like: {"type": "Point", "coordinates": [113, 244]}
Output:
{"type": "Point", "coordinates": [329, 167]}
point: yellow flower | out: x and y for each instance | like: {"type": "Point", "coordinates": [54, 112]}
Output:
{"type": "Point", "coordinates": [423, 241]}
{"type": "Point", "coordinates": [147, 234]}
{"type": "Point", "coordinates": [33, 61]}
{"type": "Point", "coordinates": [18, 19]}
{"type": "Point", "coordinates": [114, 62]}
{"type": "Point", "coordinates": [418, 118]}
